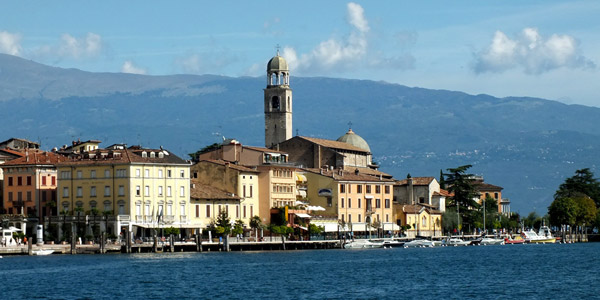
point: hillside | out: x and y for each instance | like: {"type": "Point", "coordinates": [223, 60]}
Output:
{"type": "Point", "coordinates": [526, 145]}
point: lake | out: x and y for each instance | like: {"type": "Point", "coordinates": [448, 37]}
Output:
{"type": "Point", "coordinates": [565, 271]}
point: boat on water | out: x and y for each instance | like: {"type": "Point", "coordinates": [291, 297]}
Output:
{"type": "Point", "coordinates": [42, 252]}
{"type": "Point", "coordinates": [393, 244]}
{"type": "Point", "coordinates": [419, 244]}
{"type": "Point", "coordinates": [512, 241]}
{"type": "Point", "coordinates": [362, 244]}
{"type": "Point", "coordinates": [491, 241]}
{"type": "Point", "coordinates": [543, 236]}
{"type": "Point", "coordinates": [455, 242]}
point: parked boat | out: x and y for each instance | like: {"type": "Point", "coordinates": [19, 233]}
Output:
{"type": "Point", "coordinates": [491, 241]}
{"type": "Point", "coordinates": [393, 244]}
{"type": "Point", "coordinates": [362, 244]}
{"type": "Point", "coordinates": [42, 252]}
{"type": "Point", "coordinates": [455, 242]}
{"type": "Point", "coordinates": [515, 240]}
{"type": "Point", "coordinates": [544, 236]}
{"type": "Point", "coordinates": [419, 244]}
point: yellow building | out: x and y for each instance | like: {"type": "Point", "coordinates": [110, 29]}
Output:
{"type": "Point", "coordinates": [423, 220]}
{"type": "Point", "coordinates": [363, 202]}
{"type": "Point", "coordinates": [143, 188]}
{"type": "Point", "coordinates": [230, 181]}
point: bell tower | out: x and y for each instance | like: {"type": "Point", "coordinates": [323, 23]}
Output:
{"type": "Point", "coordinates": [278, 102]}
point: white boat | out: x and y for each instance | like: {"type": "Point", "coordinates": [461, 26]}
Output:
{"type": "Point", "coordinates": [362, 244]}
{"type": "Point", "coordinates": [419, 244]}
{"type": "Point", "coordinates": [42, 252]}
{"type": "Point", "coordinates": [542, 237]}
{"type": "Point", "coordinates": [455, 242]}
{"type": "Point", "coordinates": [491, 241]}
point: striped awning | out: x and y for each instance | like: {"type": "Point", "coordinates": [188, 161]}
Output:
{"type": "Point", "coordinates": [300, 178]}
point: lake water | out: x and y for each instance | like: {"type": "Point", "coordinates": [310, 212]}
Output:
{"type": "Point", "coordinates": [563, 271]}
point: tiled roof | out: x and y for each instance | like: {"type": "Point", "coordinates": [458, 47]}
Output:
{"type": "Point", "coordinates": [444, 193]}
{"type": "Point", "coordinates": [36, 157]}
{"type": "Point", "coordinates": [348, 175]}
{"type": "Point", "coordinates": [13, 152]}
{"type": "Point", "coordinates": [230, 165]}
{"type": "Point", "coordinates": [416, 181]}
{"type": "Point", "coordinates": [200, 191]}
{"type": "Point", "coordinates": [333, 144]}
{"type": "Point", "coordinates": [126, 156]}
{"type": "Point", "coordinates": [482, 186]}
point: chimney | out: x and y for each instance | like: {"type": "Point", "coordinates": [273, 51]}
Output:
{"type": "Point", "coordinates": [356, 171]}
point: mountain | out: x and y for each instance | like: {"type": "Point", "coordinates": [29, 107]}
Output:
{"type": "Point", "coordinates": [526, 145]}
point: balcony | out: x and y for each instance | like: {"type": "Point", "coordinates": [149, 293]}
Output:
{"type": "Point", "coordinates": [139, 219]}
{"type": "Point", "coordinates": [148, 219]}
{"type": "Point", "coordinates": [169, 219]}
{"type": "Point", "coordinates": [183, 219]}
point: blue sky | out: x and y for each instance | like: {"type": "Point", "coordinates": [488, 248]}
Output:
{"type": "Point", "coordinates": [548, 49]}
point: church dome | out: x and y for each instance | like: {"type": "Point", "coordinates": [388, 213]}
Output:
{"type": "Point", "coordinates": [355, 140]}
{"type": "Point", "coordinates": [277, 63]}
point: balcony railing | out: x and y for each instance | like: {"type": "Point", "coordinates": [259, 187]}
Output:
{"type": "Point", "coordinates": [169, 219]}
{"type": "Point", "coordinates": [183, 219]}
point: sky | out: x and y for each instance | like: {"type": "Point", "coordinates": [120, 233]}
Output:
{"type": "Point", "coordinates": [546, 49]}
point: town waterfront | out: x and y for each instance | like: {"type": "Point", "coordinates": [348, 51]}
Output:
{"type": "Point", "coordinates": [565, 271]}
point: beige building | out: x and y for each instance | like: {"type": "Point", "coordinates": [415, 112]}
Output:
{"type": "Point", "coordinates": [206, 203]}
{"type": "Point", "coordinates": [142, 188]}
{"type": "Point", "coordinates": [230, 180]}
{"type": "Point", "coordinates": [358, 200]}
{"type": "Point", "coordinates": [423, 220]}
{"type": "Point", "coordinates": [421, 190]}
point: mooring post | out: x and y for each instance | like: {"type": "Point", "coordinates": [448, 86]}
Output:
{"type": "Point", "coordinates": [73, 244]}
{"type": "Point", "coordinates": [29, 247]}
{"type": "Point", "coordinates": [172, 243]}
{"type": "Point", "coordinates": [198, 243]}
{"type": "Point", "coordinates": [155, 244]}
{"type": "Point", "coordinates": [128, 241]}
{"type": "Point", "coordinates": [283, 241]}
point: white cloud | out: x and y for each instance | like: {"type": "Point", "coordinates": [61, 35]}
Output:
{"type": "Point", "coordinates": [10, 43]}
{"type": "Point", "coordinates": [531, 52]}
{"type": "Point", "coordinates": [345, 54]}
{"type": "Point", "coordinates": [213, 61]}
{"type": "Point", "coordinates": [129, 67]}
{"type": "Point", "coordinates": [88, 46]}
{"type": "Point", "coordinates": [190, 64]}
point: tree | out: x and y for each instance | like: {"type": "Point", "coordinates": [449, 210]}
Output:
{"type": "Point", "coordinates": [442, 180]}
{"type": "Point", "coordinates": [582, 183]}
{"type": "Point", "coordinates": [238, 227]}
{"type": "Point", "coordinates": [586, 211]}
{"type": "Point", "coordinates": [171, 230]}
{"type": "Point", "coordinates": [255, 223]}
{"type": "Point", "coordinates": [223, 224]}
{"type": "Point", "coordinates": [315, 230]}
{"type": "Point", "coordinates": [461, 184]}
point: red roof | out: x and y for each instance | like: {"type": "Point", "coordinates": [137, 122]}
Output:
{"type": "Point", "coordinates": [36, 157]}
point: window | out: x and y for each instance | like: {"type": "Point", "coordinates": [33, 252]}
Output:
{"type": "Point", "coordinates": [208, 210]}
{"type": "Point", "coordinates": [65, 192]}
{"type": "Point", "coordinates": [377, 203]}
{"type": "Point", "coordinates": [106, 205]}
{"type": "Point", "coordinates": [387, 203]}
{"type": "Point", "coordinates": [160, 190]}
{"type": "Point", "coordinates": [387, 217]}
{"type": "Point", "coordinates": [359, 218]}
{"type": "Point", "coordinates": [360, 203]}
{"type": "Point", "coordinates": [329, 202]}
{"type": "Point", "coordinates": [28, 180]}
{"type": "Point", "coordinates": [237, 211]}
{"type": "Point", "coordinates": [121, 207]}
{"type": "Point", "coordinates": [378, 189]}
{"type": "Point", "coordinates": [43, 180]}
{"type": "Point", "coordinates": [65, 175]}
{"type": "Point", "coordinates": [359, 188]}
{"type": "Point", "coordinates": [53, 180]}
{"type": "Point", "coordinates": [121, 190]}
{"type": "Point", "coordinates": [137, 190]}
{"type": "Point", "coordinates": [349, 203]}
{"type": "Point", "coordinates": [182, 210]}
{"type": "Point", "coordinates": [79, 191]}
{"type": "Point", "coordinates": [387, 189]}
{"type": "Point", "coordinates": [19, 180]}
{"type": "Point", "coordinates": [93, 191]}
{"type": "Point", "coordinates": [182, 174]}
{"type": "Point", "coordinates": [244, 211]}
{"type": "Point", "coordinates": [368, 188]}
{"type": "Point", "coordinates": [10, 196]}
{"type": "Point", "coordinates": [121, 173]}
{"type": "Point", "coordinates": [421, 199]}
{"type": "Point", "coordinates": [496, 196]}
{"type": "Point", "coordinates": [79, 174]}
{"type": "Point", "coordinates": [137, 173]}
{"type": "Point", "coordinates": [93, 204]}
{"type": "Point", "coordinates": [244, 191]}
{"type": "Point", "coordinates": [342, 202]}
{"type": "Point", "coordinates": [424, 222]}
{"type": "Point", "coordinates": [169, 191]}
{"type": "Point", "coordinates": [342, 188]}
{"type": "Point", "coordinates": [182, 191]}
{"type": "Point", "coordinates": [107, 173]}
{"type": "Point", "coordinates": [197, 211]}
{"type": "Point", "coordinates": [251, 210]}
{"type": "Point", "coordinates": [147, 209]}
{"type": "Point", "coordinates": [10, 181]}
{"type": "Point", "coordinates": [160, 173]}
{"type": "Point", "coordinates": [138, 210]}
{"type": "Point", "coordinates": [147, 191]}
{"type": "Point", "coordinates": [250, 191]}
{"type": "Point", "coordinates": [146, 173]}
{"type": "Point", "coordinates": [168, 173]}
{"type": "Point", "coordinates": [342, 218]}
{"type": "Point", "coordinates": [93, 174]}
{"type": "Point", "coordinates": [106, 191]}
{"type": "Point", "coordinates": [349, 218]}
{"type": "Point", "coordinates": [19, 196]}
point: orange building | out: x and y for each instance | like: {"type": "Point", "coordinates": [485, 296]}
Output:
{"type": "Point", "coordinates": [30, 184]}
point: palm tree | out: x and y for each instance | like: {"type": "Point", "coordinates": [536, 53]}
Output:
{"type": "Point", "coordinates": [255, 223]}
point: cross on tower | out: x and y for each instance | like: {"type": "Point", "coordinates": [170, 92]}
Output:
{"type": "Point", "coordinates": [350, 124]}
{"type": "Point", "coordinates": [277, 47]}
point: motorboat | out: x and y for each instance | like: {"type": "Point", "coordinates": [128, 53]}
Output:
{"type": "Point", "coordinates": [491, 241]}
{"type": "Point", "coordinates": [393, 244]}
{"type": "Point", "coordinates": [455, 242]}
{"type": "Point", "coordinates": [516, 240]}
{"type": "Point", "coordinates": [362, 244]}
{"type": "Point", "coordinates": [543, 236]}
{"type": "Point", "coordinates": [419, 244]}
{"type": "Point", "coordinates": [42, 252]}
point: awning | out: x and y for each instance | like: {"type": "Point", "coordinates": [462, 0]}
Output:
{"type": "Point", "coordinates": [301, 193]}
{"type": "Point", "coordinates": [368, 197]}
{"type": "Point", "coordinates": [303, 216]}
{"type": "Point", "coordinates": [315, 208]}
{"type": "Point", "coordinates": [300, 177]}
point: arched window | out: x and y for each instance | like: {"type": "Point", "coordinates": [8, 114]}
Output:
{"type": "Point", "coordinates": [275, 105]}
